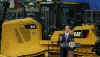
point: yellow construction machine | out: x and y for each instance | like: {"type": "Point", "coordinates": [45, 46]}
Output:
{"type": "Point", "coordinates": [24, 37]}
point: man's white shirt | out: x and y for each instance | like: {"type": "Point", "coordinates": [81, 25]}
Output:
{"type": "Point", "coordinates": [66, 35]}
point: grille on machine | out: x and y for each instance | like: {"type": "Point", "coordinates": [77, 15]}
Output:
{"type": "Point", "coordinates": [23, 35]}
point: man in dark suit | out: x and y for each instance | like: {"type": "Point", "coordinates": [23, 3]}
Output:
{"type": "Point", "coordinates": [64, 39]}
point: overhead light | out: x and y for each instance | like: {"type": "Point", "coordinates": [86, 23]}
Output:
{"type": "Point", "coordinates": [49, 0]}
{"type": "Point", "coordinates": [31, 3]}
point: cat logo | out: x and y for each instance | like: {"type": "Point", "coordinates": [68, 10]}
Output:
{"type": "Point", "coordinates": [77, 34]}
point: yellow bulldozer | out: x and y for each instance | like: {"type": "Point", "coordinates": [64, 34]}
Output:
{"type": "Point", "coordinates": [30, 38]}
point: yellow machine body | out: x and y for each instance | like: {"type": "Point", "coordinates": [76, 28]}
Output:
{"type": "Point", "coordinates": [85, 50]}
{"type": "Point", "coordinates": [92, 38]}
{"type": "Point", "coordinates": [17, 40]}
{"type": "Point", "coordinates": [86, 44]}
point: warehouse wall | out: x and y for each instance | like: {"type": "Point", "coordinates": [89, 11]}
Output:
{"type": "Point", "coordinates": [94, 4]}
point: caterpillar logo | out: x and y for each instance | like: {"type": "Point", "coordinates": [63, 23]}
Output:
{"type": "Point", "coordinates": [78, 34]}
{"type": "Point", "coordinates": [81, 33]}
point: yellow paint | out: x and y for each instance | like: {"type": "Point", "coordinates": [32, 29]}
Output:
{"type": "Point", "coordinates": [17, 40]}
{"type": "Point", "coordinates": [92, 35]}
{"type": "Point", "coordinates": [46, 54]}
{"type": "Point", "coordinates": [2, 56]}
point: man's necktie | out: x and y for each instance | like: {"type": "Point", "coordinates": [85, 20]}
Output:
{"type": "Point", "coordinates": [66, 36]}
